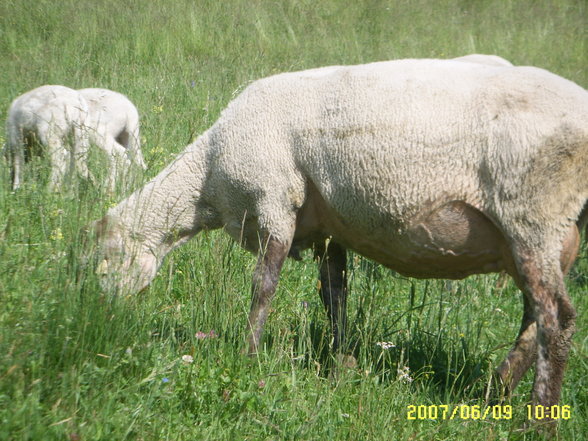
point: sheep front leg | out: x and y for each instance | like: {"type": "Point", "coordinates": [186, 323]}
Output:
{"type": "Point", "coordinates": [265, 281]}
{"type": "Point", "coordinates": [555, 321]}
{"type": "Point", "coordinates": [332, 260]}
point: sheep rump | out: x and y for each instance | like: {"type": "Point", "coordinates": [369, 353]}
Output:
{"type": "Point", "coordinates": [434, 168]}
{"type": "Point", "coordinates": [113, 125]}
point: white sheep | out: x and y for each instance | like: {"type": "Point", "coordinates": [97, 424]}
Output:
{"type": "Point", "coordinates": [113, 125]}
{"type": "Point", "coordinates": [54, 117]}
{"type": "Point", "coordinates": [434, 168]}
{"type": "Point", "coordinates": [65, 122]}
{"type": "Point", "coordinates": [491, 60]}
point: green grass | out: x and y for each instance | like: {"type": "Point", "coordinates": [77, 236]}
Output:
{"type": "Point", "coordinates": [75, 364]}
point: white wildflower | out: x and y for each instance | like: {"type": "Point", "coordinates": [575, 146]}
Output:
{"type": "Point", "coordinates": [404, 374]}
{"type": "Point", "coordinates": [187, 359]}
{"type": "Point", "coordinates": [385, 344]}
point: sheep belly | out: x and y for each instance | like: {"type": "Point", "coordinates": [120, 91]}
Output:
{"type": "Point", "coordinates": [451, 240]}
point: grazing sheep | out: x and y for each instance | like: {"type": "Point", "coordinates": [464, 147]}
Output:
{"type": "Point", "coordinates": [490, 60]}
{"type": "Point", "coordinates": [434, 168]}
{"type": "Point", "coordinates": [113, 125]}
{"type": "Point", "coordinates": [54, 117]}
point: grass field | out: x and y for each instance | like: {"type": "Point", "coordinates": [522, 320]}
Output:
{"type": "Point", "coordinates": [76, 365]}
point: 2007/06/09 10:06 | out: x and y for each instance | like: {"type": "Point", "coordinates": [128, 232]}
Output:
{"type": "Point", "coordinates": [477, 412]}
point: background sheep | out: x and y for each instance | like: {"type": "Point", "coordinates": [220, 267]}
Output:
{"type": "Point", "coordinates": [54, 117]}
{"type": "Point", "coordinates": [434, 168]}
{"type": "Point", "coordinates": [65, 122]}
{"type": "Point", "coordinates": [113, 125]}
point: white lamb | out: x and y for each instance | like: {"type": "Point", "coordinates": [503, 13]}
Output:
{"type": "Point", "coordinates": [434, 168]}
{"type": "Point", "coordinates": [54, 117]}
{"type": "Point", "coordinates": [113, 125]}
{"type": "Point", "coordinates": [65, 122]}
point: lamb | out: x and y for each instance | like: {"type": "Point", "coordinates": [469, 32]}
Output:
{"type": "Point", "coordinates": [113, 125]}
{"type": "Point", "coordinates": [434, 168]}
{"type": "Point", "coordinates": [66, 122]}
{"type": "Point", "coordinates": [53, 116]}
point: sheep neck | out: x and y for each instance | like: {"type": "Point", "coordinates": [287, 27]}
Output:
{"type": "Point", "coordinates": [167, 211]}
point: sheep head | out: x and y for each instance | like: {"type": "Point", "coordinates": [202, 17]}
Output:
{"type": "Point", "coordinates": [125, 264]}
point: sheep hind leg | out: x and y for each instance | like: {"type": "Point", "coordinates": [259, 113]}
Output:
{"type": "Point", "coordinates": [521, 356]}
{"type": "Point", "coordinates": [61, 163]}
{"type": "Point", "coordinates": [15, 152]}
{"type": "Point", "coordinates": [16, 157]}
{"type": "Point", "coordinates": [119, 163]}
{"type": "Point", "coordinates": [555, 325]}
{"type": "Point", "coordinates": [332, 259]}
{"type": "Point", "coordinates": [524, 352]}
{"type": "Point", "coordinates": [265, 281]}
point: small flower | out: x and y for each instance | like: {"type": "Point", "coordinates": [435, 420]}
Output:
{"type": "Point", "coordinates": [204, 335]}
{"type": "Point", "coordinates": [404, 374]}
{"type": "Point", "coordinates": [165, 380]}
{"type": "Point", "coordinates": [261, 384]}
{"type": "Point", "coordinates": [157, 109]}
{"type": "Point", "coordinates": [187, 359]}
{"type": "Point", "coordinates": [385, 344]}
{"type": "Point", "coordinates": [56, 213]}
{"type": "Point", "coordinates": [157, 150]}
{"type": "Point", "coordinates": [56, 234]}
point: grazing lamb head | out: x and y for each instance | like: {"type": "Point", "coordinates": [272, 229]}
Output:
{"type": "Point", "coordinates": [126, 265]}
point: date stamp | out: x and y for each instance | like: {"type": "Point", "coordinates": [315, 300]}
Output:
{"type": "Point", "coordinates": [555, 412]}
{"type": "Point", "coordinates": [462, 411]}
{"type": "Point", "coordinates": [477, 412]}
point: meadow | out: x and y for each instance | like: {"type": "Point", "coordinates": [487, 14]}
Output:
{"type": "Point", "coordinates": [76, 364]}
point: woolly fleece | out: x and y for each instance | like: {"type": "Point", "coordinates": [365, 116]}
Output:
{"type": "Point", "coordinates": [388, 158]}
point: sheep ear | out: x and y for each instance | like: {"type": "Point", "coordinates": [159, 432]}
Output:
{"type": "Point", "coordinates": [102, 268]}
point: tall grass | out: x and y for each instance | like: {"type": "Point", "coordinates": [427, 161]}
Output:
{"type": "Point", "coordinates": [76, 364]}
